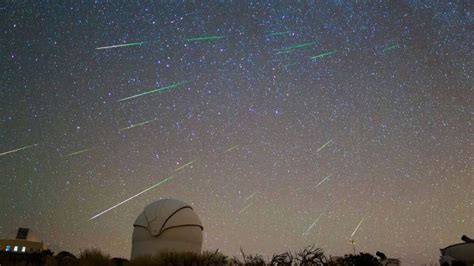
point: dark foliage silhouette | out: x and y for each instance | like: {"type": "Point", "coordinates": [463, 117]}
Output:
{"type": "Point", "coordinates": [363, 259]}
{"type": "Point", "coordinates": [311, 256]}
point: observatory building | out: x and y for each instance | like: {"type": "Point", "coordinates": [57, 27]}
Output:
{"type": "Point", "coordinates": [166, 225]}
{"type": "Point", "coordinates": [24, 241]}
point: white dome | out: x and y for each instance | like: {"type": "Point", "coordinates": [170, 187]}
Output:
{"type": "Point", "coordinates": [166, 225]}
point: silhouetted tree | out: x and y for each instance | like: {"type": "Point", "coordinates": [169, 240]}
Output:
{"type": "Point", "coordinates": [66, 258]}
{"type": "Point", "coordinates": [363, 259]}
{"type": "Point", "coordinates": [65, 254]}
{"type": "Point", "coordinates": [47, 252]}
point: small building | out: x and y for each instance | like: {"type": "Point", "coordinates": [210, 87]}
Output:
{"type": "Point", "coordinates": [25, 241]}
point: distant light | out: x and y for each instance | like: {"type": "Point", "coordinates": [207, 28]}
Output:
{"type": "Point", "coordinates": [23, 249]}
{"type": "Point", "coordinates": [7, 248]}
{"type": "Point", "coordinates": [15, 249]}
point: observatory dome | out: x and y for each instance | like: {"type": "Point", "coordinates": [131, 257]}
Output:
{"type": "Point", "coordinates": [166, 225]}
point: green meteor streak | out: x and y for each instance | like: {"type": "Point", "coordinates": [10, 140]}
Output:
{"type": "Point", "coordinates": [137, 125]}
{"type": "Point", "coordinates": [324, 145]}
{"type": "Point", "coordinates": [174, 85]}
{"type": "Point", "coordinates": [205, 38]}
{"type": "Point", "coordinates": [391, 48]}
{"type": "Point", "coordinates": [278, 33]}
{"type": "Point", "coordinates": [297, 46]}
{"type": "Point", "coordinates": [294, 47]}
{"type": "Point", "coordinates": [322, 55]}
{"type": "Point", "coordinates": [120, 45]}
{"type": "Point", "coordinates": [78, 152]}
{"type": "Point", "coordinates": [232, 148]}
{"type": "Point", "coordinates": [15, 150]}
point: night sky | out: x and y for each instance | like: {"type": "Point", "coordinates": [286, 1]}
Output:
{"type": "Point", "coordinates": [300, 119]}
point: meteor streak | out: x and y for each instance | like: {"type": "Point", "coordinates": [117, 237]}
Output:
{"type": "Point", "coordinates": [294, 46]}
{"type": "Point", "coordinates": [120, 45]}
{"type": "Point", "coordinates": [278, 33]}
{"type": "Point", "coordinates": [322, 55]}
{"type": "Point", "coordinates": [286, 51]}
{"type": "Point", "coordinates": [299, 46]}
{"type": "Point", "coordinates": [179, 168]}
{"type": "Point", "coordinates": [391, 47]}
{"type": "Point", "coordinates": [326, 178]}
{"type": "Point", "coordinates": [15, 150]}
{"type": "Point", "coordinates": [78, 152]}
{"type": "Point", "coordinates": [287, 65]}
{"type": "Point", "coordinates": [232, 148]}
{"type": "Point", "coordinates": [251, 196]}
{"type": "Point", "coordinates": [137, 125]}
{"type": "Point", "coordinates": [174, 85]}
{"type": "Point", "coordinates": [132, 197]}
{"type": "Point", "coordinates": [353, 233]}
{"type": "Point", "coordinates": [205, 38]}
{"type": "Point", "coordinates": [324, 145]}
{"type": "Point", "coordinates": [246, 207]}
{"type": "Point", "coordinates": [312, 225]}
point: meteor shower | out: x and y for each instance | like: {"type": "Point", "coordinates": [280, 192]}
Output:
{"type": "Point", "coordinates": [236, 133]}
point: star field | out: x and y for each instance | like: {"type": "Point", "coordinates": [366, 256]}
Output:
{"type": "Point", "coordinates": [300, 120]}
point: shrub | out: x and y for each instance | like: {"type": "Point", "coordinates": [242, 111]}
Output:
{"type": "Point", "coordinates": [93, 257]}
{"type": "Point", "coordinates": [182, 259]}
{"type": "Point", "coordinates": [284, 259]}
{"type": "Point", "coordinates": [363, 259]}
{"type": "Point", "coordinates": [249, 260]}
{"type": "Point", "coordinates": [311, 256]}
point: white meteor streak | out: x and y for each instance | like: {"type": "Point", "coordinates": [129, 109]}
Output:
{"type": "Point", "coordinates": [353, 233]}
{"type": "Point", "coordinates": [119, 45]}
{"type": "Point", "coordinates": [138, 125]}
{"type": "Point", "coordinates": [15, 150]}
{"type": "Point", "coordinates": [78, 152]}
{"type": "Point", "coordinates": [251, 196]}
{"type": "Point", "coordinates": [246, 207]}
{"type": "Point", "coordinates": [324, 180]}
{"type": "Point", "coordinates": [312, 225]}
{"type": "Point", "coordinates": [324, 145]}
{"type": "Point", "coordinates": [132, 197]}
